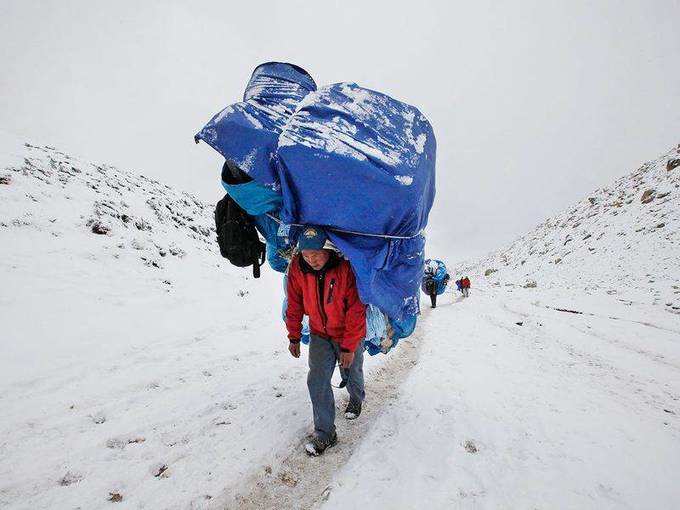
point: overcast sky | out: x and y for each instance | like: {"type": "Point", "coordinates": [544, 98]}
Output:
{"type": "Point", "coordinates": [533, 104]}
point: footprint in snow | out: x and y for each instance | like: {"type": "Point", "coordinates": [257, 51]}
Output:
{"type": "Point", "coordinates": [115, 497]}
{"type": "Point", "coordinates": [98, 418]}
{"type": "Point", "coordinates": [70, 478]}
{"type": "Point", "coordinates": [470, 446]}
{"type": "Point", "coordinates": [288, 479]}
{"type": "Point", "coordinates": [122, 442]}
{"type": "Point", "coordinates": [160, 470]}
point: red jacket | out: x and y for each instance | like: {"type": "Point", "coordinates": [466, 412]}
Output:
{"type": "Point", "coordinates": [330, 298]}
{"type": "Point", "coordinates": [465, 283]}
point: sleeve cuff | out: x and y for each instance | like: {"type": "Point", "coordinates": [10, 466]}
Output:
{"type": "Point", "coordinates": [294, 340]}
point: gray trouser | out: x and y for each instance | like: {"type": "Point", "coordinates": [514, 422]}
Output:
{"type": "Point", "coordinates": [323, 358]}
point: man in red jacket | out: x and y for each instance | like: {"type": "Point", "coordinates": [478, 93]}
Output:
{"type": "Point", "coordinates": [322, 286]}
{"type": "Point", "coordinates": [465, 282]}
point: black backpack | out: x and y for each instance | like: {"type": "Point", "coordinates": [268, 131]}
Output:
{"type": "Point", "coordinates": [237, 237]}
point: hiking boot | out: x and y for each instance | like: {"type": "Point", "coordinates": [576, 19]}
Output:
{"type": "Point", "coordinates": [316, 446]}
{"type": "Point", "coordinates": [353, 410]}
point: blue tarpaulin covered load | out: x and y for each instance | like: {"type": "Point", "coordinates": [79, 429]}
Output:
{"type": "Point", "coordinates": [436, 270]}
{"type": "Point", "coordinates": [247, 135]}
{"type": "Point", "coordinates": [363, 163]}
{"type": "Point", "coordinates": [353, 160]}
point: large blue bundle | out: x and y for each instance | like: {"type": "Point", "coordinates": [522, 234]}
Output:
{"type": "Point", "coordinates": [436, 270]}
{"type": "Point", "coordinates": [363, 164]}
{"type": "Point", "coordinates": [351, 159]}
{"type": "Point", "coordinates": [247, 133]}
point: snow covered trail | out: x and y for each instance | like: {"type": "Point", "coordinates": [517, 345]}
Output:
{"type": "Point", "coordinates": [163, 422]}
{"type": "Point", "coordinates": [137, 367]}
{"type": "Point", "coordinates": [562, 411]}
{"type": "Point", "coordinates": [298, 481]}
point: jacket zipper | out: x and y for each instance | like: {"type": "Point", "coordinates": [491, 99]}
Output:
{"type": "Point", "coordinates": [319, 288]}
{"type": "Point", "coordinates": [330, 292]}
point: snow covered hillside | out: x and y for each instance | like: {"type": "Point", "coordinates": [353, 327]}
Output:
{"type": "Point", "coordinates": [512, 405]}
{"type": "Point", "coordinates": [136, 363]}
{"type": "Point", "coordinates": [557, 383]}
{"type": "Point", "coordinates": [140, 370]}
{"type": "Point", "coordinates": [623, 240]}
{"type": "Point", "coordinates": [71, 230]}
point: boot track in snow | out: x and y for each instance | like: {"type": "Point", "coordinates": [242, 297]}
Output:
{"type": "Point", "coordinates": [303, 482]}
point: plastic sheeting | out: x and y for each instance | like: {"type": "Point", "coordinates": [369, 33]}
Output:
{"type": "Point", "coordinates": [247, 133]}
{"type": "Point", "coordinates": [358, 160]}
{"type": "Point", "coordinates": [353, 160]}
{"type": "Point", "coordinates": [436, 270]}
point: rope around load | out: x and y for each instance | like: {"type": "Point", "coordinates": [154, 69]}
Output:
{"type": "Point", "coordinates": [342, 231]}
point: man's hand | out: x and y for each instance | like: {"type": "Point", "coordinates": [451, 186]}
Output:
{"type": "Point", "coordinates": [346, 359]}
{"type": "Point", "coordinates": [294, 348]}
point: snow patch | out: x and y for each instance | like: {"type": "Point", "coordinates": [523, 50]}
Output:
{"type": "Point", "coordinates": [220, 116]}
{"type": "Point", "coordinates": [420, 143]}
{"type": "Point", "coordinates": [405, 180]}
{"type": "Point", "coordinates": [246, 164]}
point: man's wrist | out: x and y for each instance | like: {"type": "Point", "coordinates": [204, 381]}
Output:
{"type": "Point", "coordinates": [294, 340]}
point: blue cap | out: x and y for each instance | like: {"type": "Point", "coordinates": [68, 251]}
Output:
{"type": "Point", "coordinates": [312, 238]}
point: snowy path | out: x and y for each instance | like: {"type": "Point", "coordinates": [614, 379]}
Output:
{"type": "Point", "coordinates": [138, 368]}
{"type": "Point", "coordinates": [563, 411]}
{"type": "Point", "coordinates": [475, 411]}
{"type": "Point", "coordinates": [298, 481]}
{"type": "Point", "coordinates": [194, 405]}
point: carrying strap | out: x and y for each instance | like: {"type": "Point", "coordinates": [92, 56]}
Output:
{"type": "Point", "coordinates": [259, 261]}
{"type": "Point", "coordinates": [342, 231]}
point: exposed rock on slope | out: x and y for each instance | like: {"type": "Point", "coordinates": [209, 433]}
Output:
{"type": "Point", "coordinates": [49, 191]}
{"type": "Point", "coordinates": [622, 239]}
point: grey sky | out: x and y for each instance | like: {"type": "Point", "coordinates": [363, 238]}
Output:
{"type": "Point", "coordinates": [533, 103]}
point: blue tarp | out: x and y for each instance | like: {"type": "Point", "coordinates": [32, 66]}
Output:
{"type": "Point", "coordinates": [436, 270]}
{"type": "Point", "coordinates": [353, 160]}
{"type": "Point", "coordinates": [357, 160]}
{"type": "Point", "coordinates": [247, 133]}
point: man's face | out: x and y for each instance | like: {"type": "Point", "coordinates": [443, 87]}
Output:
{"type": "Point", "coordinates": [316, 258]}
